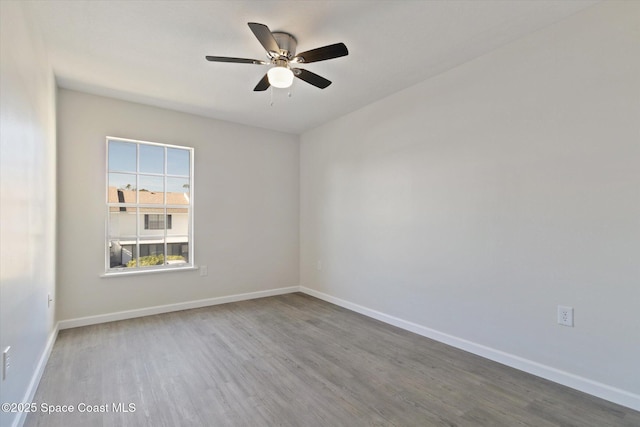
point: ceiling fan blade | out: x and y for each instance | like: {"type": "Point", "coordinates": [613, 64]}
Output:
{"type": "Point", "coordinates": [262, 84]}
{"type": "Point", "coordinates": [311, 78]}
{"type": "Point", "coordinates": [235, 60]}
{"type": "Point", "coordinates": [264, 36]}
{"type": "Point", "coordinates": [322, 53]}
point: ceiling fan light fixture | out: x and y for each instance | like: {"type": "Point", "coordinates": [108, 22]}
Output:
{"type": "Point", "coordinates": [280, 77]}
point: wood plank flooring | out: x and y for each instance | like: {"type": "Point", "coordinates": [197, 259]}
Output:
{"type": "Point", "coordinates": [293, 360]}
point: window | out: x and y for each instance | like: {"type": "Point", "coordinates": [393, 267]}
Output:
{"type": "Point", "coordinates": [149, 206]}
{"type": "Point", "coordinates": [156, 222]}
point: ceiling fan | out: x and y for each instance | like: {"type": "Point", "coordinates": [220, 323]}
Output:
{"type": "Point", "coordinates": [281, 52]}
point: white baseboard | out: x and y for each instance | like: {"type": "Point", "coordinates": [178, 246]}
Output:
{"type": "Point", "coordinates": [148, 311]}
{"type": "Point", "coordinates": [612, 394]}
{"type": "Point", "coordinates": [37, 375]}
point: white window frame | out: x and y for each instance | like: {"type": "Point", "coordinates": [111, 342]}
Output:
{"type": "Point", "coordinates": [190, 264]}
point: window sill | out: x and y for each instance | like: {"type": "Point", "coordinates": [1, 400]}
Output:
{"type": "Point", "coordinates": [121, 273]}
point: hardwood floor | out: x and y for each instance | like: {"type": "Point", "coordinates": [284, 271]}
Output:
{"type": "Point", "coordinates": [293, 360]}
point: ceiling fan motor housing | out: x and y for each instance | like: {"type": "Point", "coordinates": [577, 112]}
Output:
{"type": "Point", "coordinates": [287, 44]}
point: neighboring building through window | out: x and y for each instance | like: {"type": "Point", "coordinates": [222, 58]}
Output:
{"type": "Point", "coordinates": [149, 206]}
{"type": "Point", "coordinates": [156, 222]}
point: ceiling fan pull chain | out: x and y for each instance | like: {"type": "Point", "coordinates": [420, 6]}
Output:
{"type": "Point", "coordinates": [291, 88]}
{"type": "Point", "coordinates": [271, 96]}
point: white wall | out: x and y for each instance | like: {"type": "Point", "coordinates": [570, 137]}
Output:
{"type": "Point", "coordinates": [477, 201]}
{"type": "Point", "coordinates": [246, 198]}
{"type": "Point", "coordinates": [27, 202]}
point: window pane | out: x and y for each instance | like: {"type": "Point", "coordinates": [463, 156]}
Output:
{"type": "Point", "coordinates": [122, 156]}
{"type": "Point", "coordinates": [178, 191]}
{"type": "Point", "coordinates": [179, 222]}
{"type": "Point", "coordinates": [122, 188]}
{"type": "Point", "coordinates": [151, 189]}
{"type": "Point", "coordinates": [178, 250]}
{"type": "Point", "coordinates": [122, 240]}
{"type": "Point", "coordinates": [178, 162]}
{"type": "Point", "coordinates": [122, 221]}
{"type": "Point", "coordinates": [152, 222]}
{"type": "Point", "coordinates": [151, 159]}
{"type": "Point", "coordinates": [122, 253]}
{"type": "Point", "coordinates": [151, 252]}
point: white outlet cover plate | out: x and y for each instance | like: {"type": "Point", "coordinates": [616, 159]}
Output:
{"type": "Point", "coordinates": [565, 315]}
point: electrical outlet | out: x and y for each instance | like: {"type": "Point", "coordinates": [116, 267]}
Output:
{"type": "Point", "coordinates": [6, 362]}
{"type": "Point", "coordinates": [319, 265]}
{"type": "Point", "coordinates": [565, 315]}
{"type": "Point", "coordinates": [204, 270]}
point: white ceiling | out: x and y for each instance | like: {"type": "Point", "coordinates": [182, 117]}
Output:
{"type": "Point", "coordinates": [153, 52]}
